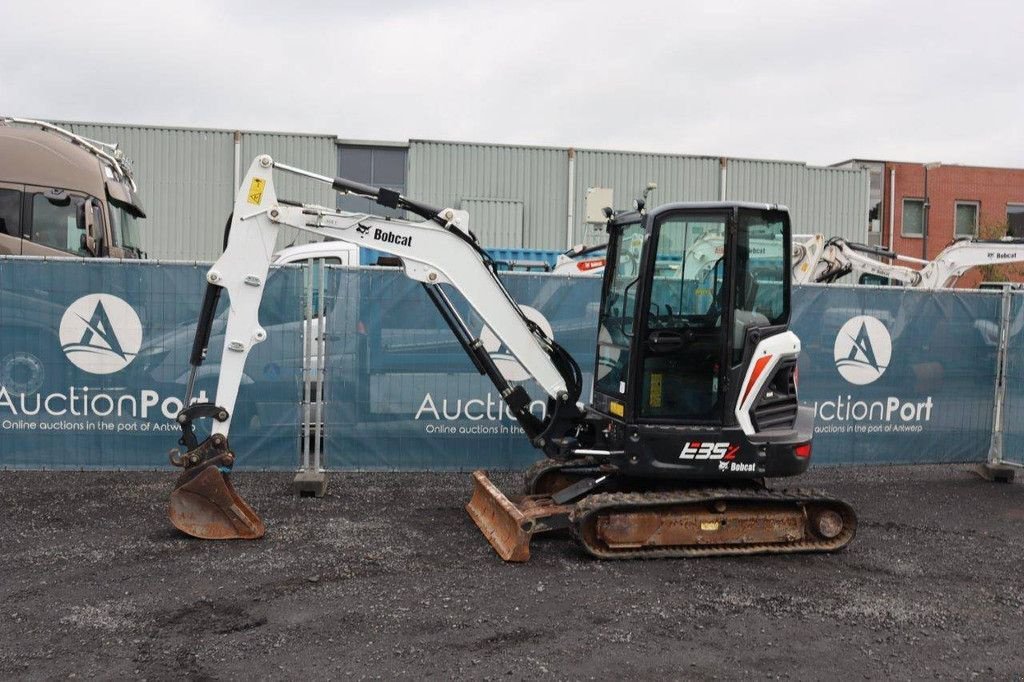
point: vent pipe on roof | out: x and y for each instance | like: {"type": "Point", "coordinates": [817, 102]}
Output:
{"type": "Point", "coordinates": [892, 205]}
{"type": "Point", "coordinates": [238, 164]}
{"type": "Point", "coordinates": [571, 212]}
{"type": "Point", "coordinates": [723, 174]}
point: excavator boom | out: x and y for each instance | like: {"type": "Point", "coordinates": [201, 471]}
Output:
{"type": "Point", "coordinates": [841, 257]}
{"type": "Point", "coordinates": [438, 251]}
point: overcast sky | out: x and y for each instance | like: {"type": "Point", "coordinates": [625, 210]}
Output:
{"type": "Point", "coordinates": [816, 81]}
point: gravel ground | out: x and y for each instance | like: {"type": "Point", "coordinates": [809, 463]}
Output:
{"type": "Point", "coordinates": [387, 577]}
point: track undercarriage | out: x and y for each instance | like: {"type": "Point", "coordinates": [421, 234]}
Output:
{"type": "Point", "coordinates": [658, 522]}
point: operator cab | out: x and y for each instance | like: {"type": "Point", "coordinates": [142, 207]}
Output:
{"type": "Point", "coordinates": [673, 345]}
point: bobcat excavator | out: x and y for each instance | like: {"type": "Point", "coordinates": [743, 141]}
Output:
{"type": "Point", "coordinates": [694, 398]}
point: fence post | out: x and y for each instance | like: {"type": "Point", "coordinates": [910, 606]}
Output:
{"type": "Point", "coordinates": [321, 372]}
{"type": "Point", "coordinates": [996, 469]}
{"type": "Point", "coordinates": [311, 481]}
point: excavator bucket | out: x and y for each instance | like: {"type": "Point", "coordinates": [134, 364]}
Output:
{"type": "Point", "coordinates": [207, 506]}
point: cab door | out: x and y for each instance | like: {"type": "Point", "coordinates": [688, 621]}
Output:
{"type": "Point", "coordinates": [617, 320]}
{"type": "Point", "coordinates": [682, 345]}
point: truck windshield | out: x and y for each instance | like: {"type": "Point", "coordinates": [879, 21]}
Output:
{"type": "Point", "coordinates": [125, 229]}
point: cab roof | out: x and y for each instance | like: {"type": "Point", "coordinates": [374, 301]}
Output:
{"type": "Point", "coordinates": [31, 156]}
{"type": "Point", "coordinates": [633, 216]}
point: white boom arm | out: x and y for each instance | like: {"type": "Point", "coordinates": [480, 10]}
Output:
{"type": "Point", "coordinates": [432, 253]}
{"type": "Point", "coordinates": [840, 258]}
{"type": "Point", "coordinates": [962, 255]}
{"type": "Point", "coordinates": [807, 250]}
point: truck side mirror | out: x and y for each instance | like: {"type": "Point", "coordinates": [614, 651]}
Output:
{"type": "Point", "coordinates": [92, 239]}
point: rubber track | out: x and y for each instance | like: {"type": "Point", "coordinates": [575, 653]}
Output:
{"type": "Point", "coordinates": [588, 509]}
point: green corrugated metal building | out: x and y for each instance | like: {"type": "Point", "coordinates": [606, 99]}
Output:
{"type": "Point", "coordinates": [518, 196]}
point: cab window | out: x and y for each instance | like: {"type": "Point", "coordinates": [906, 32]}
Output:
{"type": "Point", "coordinates": [761, 268]}
{"type": "Point", "coordinates": [615, 328]}
{"type": "Point", "coordinates": [124, 229]}
{"type": "Point", "coordinates": [56, 222]}
{"type": "Point", "coordinates": [10, 212]}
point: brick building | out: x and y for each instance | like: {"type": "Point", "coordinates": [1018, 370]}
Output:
{"type": "Point", "coordinates": [917, 209]}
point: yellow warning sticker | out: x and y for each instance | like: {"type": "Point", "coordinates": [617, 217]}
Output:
{"type": "Point", "coordinates": [616, 408]}
{"type": "Point", "coordinates": [655, 395]}
{"type": "Point", "coordinates": [256, 191]}
{"type": "Point", "coordinates": [710, 525]}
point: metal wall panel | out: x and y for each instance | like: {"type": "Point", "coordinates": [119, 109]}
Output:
{"type": "Point", "coordinates": [679, 178]}
{"type": "Point", "coordinates": [832, 201]}
{"type": "Point", "coordinates": [503, 219]}
{"type": "Point", "coordinates": [447, 173]}
{"type": "Point", "coordinates": [184, 178]}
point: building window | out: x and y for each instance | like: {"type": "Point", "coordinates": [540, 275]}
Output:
{"type": "Point", "coordinates": [913, 217]}
{"type": "Point", "coordinates": [377, 166]}
{"type": "Point", "coordinates": [966, 219]}
{"type": "Point", "coordinates": [1015, 220]}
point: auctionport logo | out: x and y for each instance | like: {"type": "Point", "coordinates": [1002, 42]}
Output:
{"type": "Point", "coordinates": [100, 334]}
{"type": "Point", "coordinates": [862, 350]}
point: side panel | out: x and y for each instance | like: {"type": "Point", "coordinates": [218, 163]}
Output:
{"type": "Point", "coordinates": [766, 358]}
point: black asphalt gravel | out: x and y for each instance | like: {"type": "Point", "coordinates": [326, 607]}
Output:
{"type": "Point", "coordinates": [387, 577]}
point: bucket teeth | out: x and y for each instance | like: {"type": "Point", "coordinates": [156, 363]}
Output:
{"type": "Point", "coordinates": [499, 520]}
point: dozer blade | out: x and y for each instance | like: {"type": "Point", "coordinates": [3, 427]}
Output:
{"type": "Point", "coordinates": [206, 506]}
{"type": "Point", "coordinates": [498, 519]}
{"type": "Point", "coordinates": [509, 525]}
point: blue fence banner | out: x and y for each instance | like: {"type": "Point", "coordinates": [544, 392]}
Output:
{"type": "Point", "coordinates": [1013, 407]}
{"type": "Point", "coordinates": [897, 375]}
{"type": "Point", "coordinates": [402, 394]}
{"type": "Point", "coordinates": [94, 358]}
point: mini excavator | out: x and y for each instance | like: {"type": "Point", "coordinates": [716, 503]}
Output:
{"type": "Point", "coordinates": [694, 396]}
